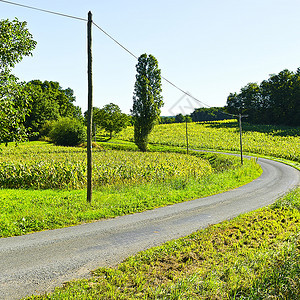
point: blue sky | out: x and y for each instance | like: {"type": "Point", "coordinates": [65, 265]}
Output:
{"type": "Point", "coordinates": [208, 48]}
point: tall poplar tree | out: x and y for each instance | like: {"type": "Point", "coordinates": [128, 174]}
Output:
{"type": "Point", "coordinates": [147, 99]}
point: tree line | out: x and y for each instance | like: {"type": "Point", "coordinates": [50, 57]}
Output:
{"type": "Point", "coordinates": [198, 115]}
{"type": "Point", "coordinates": [273, 101]}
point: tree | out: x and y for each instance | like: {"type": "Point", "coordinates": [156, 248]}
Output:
{"type": "Point", "coordinates": [147, 99]}
{"type": "Point", "coordinates": [166, 120]}
{"type": "Point", "coordinates": [15, 43]}
{"type": "Point", "coordinates": [209, 114]}
{"type": "Point", "coordinates": [14, 102]}
{"type": "Point", "coordinates": [248, 102]}
{"type": "Point", "coordinates": [179, 118]}
{"type": "Point", "coordinates": [110, 118]}
{"type": "Point", "coordinates": [188, 119]}
{"type": "Point", "coordinates": [274, 101]}
{"type": "Point", "coordinates": [281, 93]}
{"type": "Point", "coordinates": [50, 102]}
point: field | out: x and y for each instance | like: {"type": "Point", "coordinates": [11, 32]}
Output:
{"type": "Point", "coordinates": [44, 166]}
{"type": "Point", "coordinates": [275, 141]}
{"type": "Point", "coordinates": [254, 256]}
{"type": "Point", "coordinates": [43, 185]}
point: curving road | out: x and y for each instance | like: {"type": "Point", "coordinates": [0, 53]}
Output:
{"type": "Point", "coordinates": [38, 262]}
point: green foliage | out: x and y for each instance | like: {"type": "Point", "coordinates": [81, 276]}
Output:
{"type": "Point", "coordinates": [42, 174]}
{"type": "Point", "coordinates": [209, 114]}
{"type": "Point", "coordinates": [15, 43]}
{"type": "Point", "coordinates": [110, 118]}
{"type": "Point", "coordinates": [57, 167]}
{"type": "Point", "coordinates": [199, 115]}
{"type": "Point", "coordinates": [147, 99]}
{"type": "Point", "coordinates": [46, 128]}
{"type": "Point", "coordinates": [179, 118]}
{"type": "Point", "coordinates": [274, 101]}
{"type": "Point", "coordinates": [50, 102]}
{"type": "Point", "coordinates": [187, 119]}
{"type": "Point", "coordinates": [14, 103]}
{"type": "Point", "coordinates": [166, 120]}
{"type": "Point", "coordinates": [68, 132]}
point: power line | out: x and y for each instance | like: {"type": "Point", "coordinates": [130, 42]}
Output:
{"type": "Point", "coordinates": [107, 34]}
{"type": "Point", "coordinates": [43, 10]}
{"type": "Point", "coordinates": [186, 93]}
{"type": "Point", "coordinates": [168, 81]}
{"type": "Point", "coordinates": [191, 96]}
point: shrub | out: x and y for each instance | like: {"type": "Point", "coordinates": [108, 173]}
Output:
{"type": "Point", "coordinates": [68, 132]}
{"type": "Point", "coordinates": [46, 128]}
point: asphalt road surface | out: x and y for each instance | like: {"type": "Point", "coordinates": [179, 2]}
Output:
{"type": "Point", "coordinates": [38, 262]}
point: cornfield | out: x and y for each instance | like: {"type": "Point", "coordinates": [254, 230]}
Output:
{"type": "Point", "coordinates": [44, 166]}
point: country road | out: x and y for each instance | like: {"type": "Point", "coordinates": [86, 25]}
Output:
{"type": "Point", "coordinates": [38, 262]}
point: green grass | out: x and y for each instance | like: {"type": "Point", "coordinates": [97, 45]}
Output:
{"type": "Point", "coordinates": [254, 256]}
{"type": "Point", "coordinates": [23, 211]}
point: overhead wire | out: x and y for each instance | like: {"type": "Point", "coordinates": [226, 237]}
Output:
{"type": "Point", "coordinates": [133, 55]}
{"type": "Point", "coordinates": [164, 78]}
{"type": "Point", "coordinates": [43, 10]}
{"type": "Point", "coordinates": [107, 34]}
{"type": "Point", "coordinates": [114, 40]}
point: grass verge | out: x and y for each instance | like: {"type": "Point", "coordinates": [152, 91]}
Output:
{"type": "Point", "coordinates": [25, 211]}
{"type": "Point", "coordinates": [254, 256]}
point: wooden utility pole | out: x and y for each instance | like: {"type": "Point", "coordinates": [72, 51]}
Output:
{"type": "Point", "coordinates": [187, 136]}
{"type": "Point", "coordinates": [90, 109]}
{"type": "Point", "coordinates": [241, 141]}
